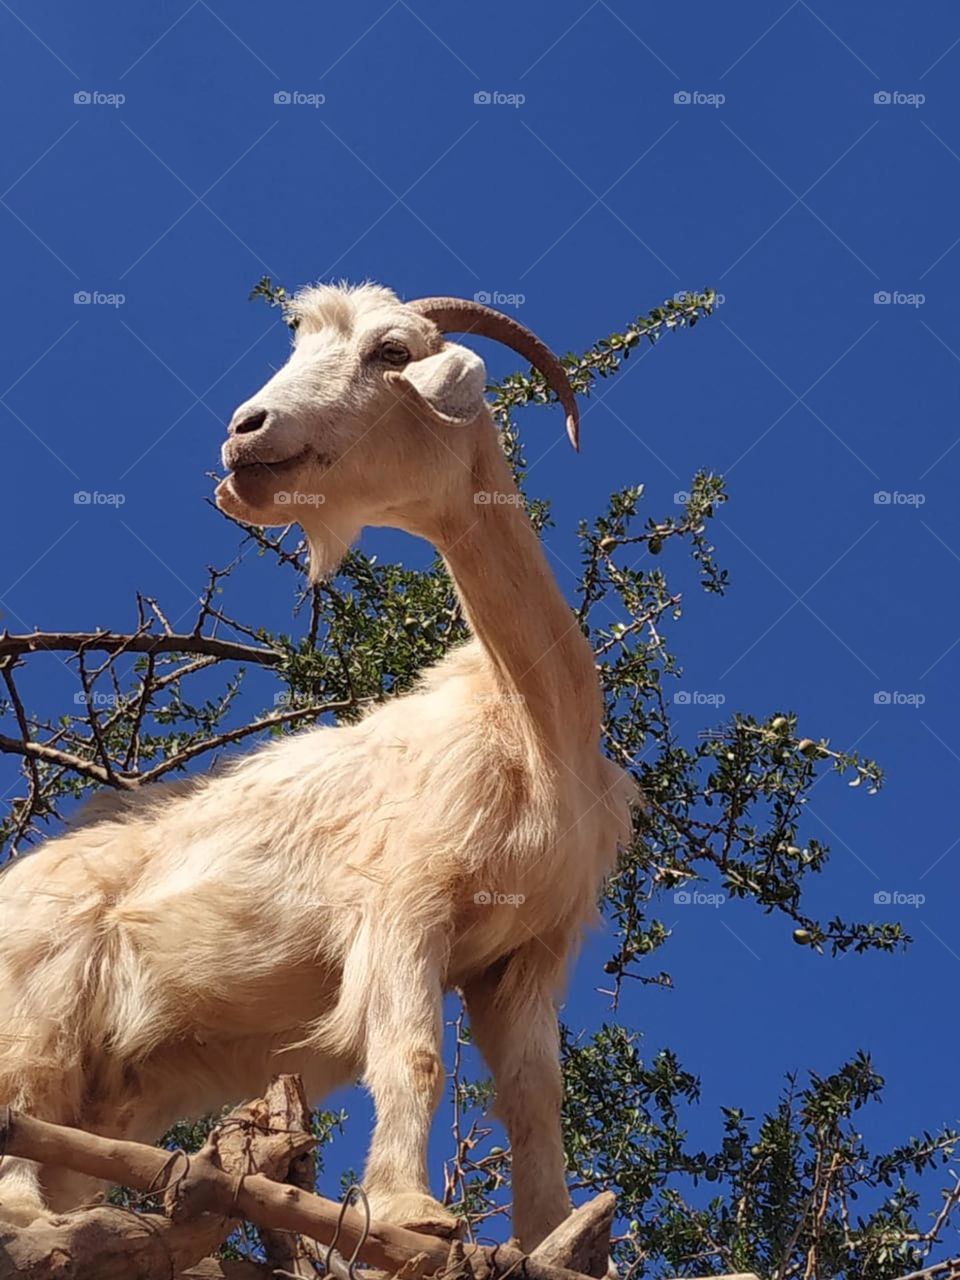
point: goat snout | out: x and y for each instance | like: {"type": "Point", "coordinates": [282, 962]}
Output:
{"type": "Point", "coordinates": [245, 421]}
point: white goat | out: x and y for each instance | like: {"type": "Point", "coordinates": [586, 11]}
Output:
{"type": "Point", "coordinates": [305, 909]}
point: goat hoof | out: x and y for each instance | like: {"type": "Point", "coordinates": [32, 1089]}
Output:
{"type": "Point", "coordinates": [416, 1212]}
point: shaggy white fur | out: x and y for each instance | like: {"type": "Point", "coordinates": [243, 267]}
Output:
{"type": "Point", "coordinates": [306, 908]}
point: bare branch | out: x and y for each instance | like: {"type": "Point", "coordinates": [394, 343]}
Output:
{"type": "Point", "coordinates": [115, 642]}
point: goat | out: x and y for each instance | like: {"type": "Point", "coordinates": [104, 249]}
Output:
{"type": "Point", "coordinates": [306, 908]}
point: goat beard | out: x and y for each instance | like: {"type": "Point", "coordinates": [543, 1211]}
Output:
{"type": "Point", "coordinates": [327, 545]}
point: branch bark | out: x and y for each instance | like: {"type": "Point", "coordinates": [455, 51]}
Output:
{"type": "Point", "coordinates": [109, 1243]}
{"type": "Point", "coordinates": [116, 642]}
{"type": "Point", "coordinates": [230, 1178]}
{"type": "Point", "coordinates": [233, 1177]}
{"type": "Point", "coordinates": [582, 1241]}
{"type": "Point", "coordinates": [288, 1252]}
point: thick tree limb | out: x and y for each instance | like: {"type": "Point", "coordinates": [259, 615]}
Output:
{"type": "Point", "coordinates": [109, 1243]}
{"type": "Point", "coordinates": [283, 1250]}
{"type": "Point", "coordinates": [210, 1185]}
{"type": "Point", "coordinates": [141, 642]}
{"type": "Point", "coordinates": [582, 1241]}
{"type": "Point", "coordinates": [202, 1194]}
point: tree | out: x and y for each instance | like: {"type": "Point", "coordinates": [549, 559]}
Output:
{"type": "Point", "coordinates": [794, 1193]}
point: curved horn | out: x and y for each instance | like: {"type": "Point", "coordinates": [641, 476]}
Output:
{"type": "Point", "coordinates": [458, 315]}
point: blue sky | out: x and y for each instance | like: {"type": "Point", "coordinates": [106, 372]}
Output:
{"type": "Point", "coordinates": [656, 148]}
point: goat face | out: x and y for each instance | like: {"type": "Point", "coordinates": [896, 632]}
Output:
{"type": "Point", "coordinates": [355, 428]}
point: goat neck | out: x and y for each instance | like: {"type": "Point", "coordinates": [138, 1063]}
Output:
{"type": "Point", "coordinates": [538, 655]}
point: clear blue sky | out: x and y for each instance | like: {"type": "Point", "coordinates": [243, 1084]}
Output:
{"type": "Point", "coordinates": [798, 196]}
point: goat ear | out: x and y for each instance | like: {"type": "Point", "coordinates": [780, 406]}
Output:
{"type": "Point", "coordinates": [450, 384]}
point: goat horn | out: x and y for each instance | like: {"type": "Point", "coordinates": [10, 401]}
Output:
{"type": "Point", "coordinates": [458, 315]}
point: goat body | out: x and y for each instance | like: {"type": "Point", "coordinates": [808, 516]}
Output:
{"type": "Point", "coordinates": [305, 909]}
{"type": "Point", "coordinates": [165, 960]}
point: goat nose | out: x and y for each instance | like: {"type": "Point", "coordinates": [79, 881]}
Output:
{"type": "Point", "coordinates": [248, 422]}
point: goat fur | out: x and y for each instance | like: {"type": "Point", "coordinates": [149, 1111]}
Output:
{"type": "Point", "coordinates": [306, 907]}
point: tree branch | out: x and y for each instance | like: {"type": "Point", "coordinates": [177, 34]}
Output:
{"type": "Point", "coordinates": [116, 642]}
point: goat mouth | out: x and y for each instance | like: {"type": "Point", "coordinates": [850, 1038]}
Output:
{"type": "Point", "coordinates": [251, 489]}
{"type": "Point", "coordinates": [257, 469]}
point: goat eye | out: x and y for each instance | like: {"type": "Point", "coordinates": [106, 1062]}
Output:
{"type": "Point", "coordinates": [393, 353]}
